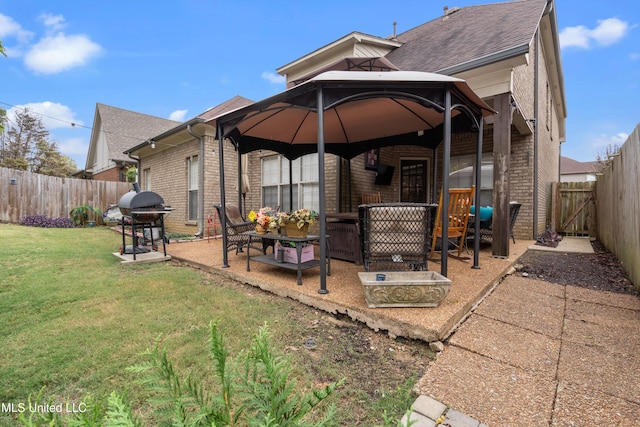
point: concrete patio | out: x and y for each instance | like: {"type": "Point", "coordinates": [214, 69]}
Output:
{"type": "Point", "coordinates": [469, 286]}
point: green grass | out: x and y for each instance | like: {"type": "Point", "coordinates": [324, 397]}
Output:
{"type": "Point", "coordinates": [72, 318]}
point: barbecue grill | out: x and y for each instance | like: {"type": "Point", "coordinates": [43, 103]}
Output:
{"type": "Point", "coordinates": [142, 210]}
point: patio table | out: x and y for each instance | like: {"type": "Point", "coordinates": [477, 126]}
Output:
{"type": "Point", "coordinates": [270, 259]}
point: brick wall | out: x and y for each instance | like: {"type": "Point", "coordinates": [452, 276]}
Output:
{"type": "Point", "coordinates": [112, 174]}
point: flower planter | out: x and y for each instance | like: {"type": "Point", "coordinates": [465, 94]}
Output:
{"type": "Point", "coordinates": [260, 229]}
{"type": "Point", "coordinates": [404, 289]}
{"type": "Point", "coordinates": [293, 230]}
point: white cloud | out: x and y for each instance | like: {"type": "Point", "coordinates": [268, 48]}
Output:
{"type": "Point", "coordinates": [53, 23]}
{"type": "Point", "coordinates": [608, 32]}
{"type": "Point", "coordinates": [52, 114]}
{"type": "Point", "coordinates": [178, 115]}
{"type": "Point", "coordinates": [54, 54]}
{"type": "Point", "coordinates": [11, 29]}
{"type": "Point", "coordinates": [602, 141]}
{"type": "Point", "coordinates": [73, 146]}
{"type": "Point", "coordinates": [273, 78]}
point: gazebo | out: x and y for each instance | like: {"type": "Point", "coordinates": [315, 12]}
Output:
{"type": "Point", "coordinates": [347, 113]}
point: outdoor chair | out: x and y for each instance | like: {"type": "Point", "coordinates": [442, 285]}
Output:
{"type": "Point", "coordinates": [486, 231]}
{"type": "Point", "coordinates": [460, 201]}
{"type": "Point", "coordinates": [368, 198]}
{"type": "Point", "coordinates": [395, 236]}
{"type": "Point", "coordinates": [237, 227]}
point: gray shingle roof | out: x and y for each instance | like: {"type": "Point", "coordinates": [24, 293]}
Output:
{"type": "Point", "coordinates": [569, 166]}
{"type": "Point", "coordinates": [467, 34]}
{"type": "Point", "coordinates": [230, 104]}
{"type": "Point", "coordinates": [124, 128]}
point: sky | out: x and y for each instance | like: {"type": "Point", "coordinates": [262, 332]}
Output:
{"type": "Point", "coordinates": [176, 59]}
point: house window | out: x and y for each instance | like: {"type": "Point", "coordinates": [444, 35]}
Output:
{"type": "Point", "coordinates": [304, 182]}
{"type": "Point", "coordinates": [413, 181]}
{"type": "Point", "coordinates": [462, 175]}
{"type": "Point", "coordinates": [192, 178]}
{"type": "Point", "coordinates": [146, 179]}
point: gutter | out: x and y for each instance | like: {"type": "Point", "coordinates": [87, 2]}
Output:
{"type": "Point", "coordinates": [185, 125]}
{"type": "Point", "coordinates": [485, 60]}
{"type": "Point", "coordinates": [200, 180]}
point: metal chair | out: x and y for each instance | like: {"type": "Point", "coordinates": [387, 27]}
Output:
{"type": "Point", "coordinates": [460, 201]}
{"type": "Point", "coordinates": [486, 230]}
{"type": "Point", "coordinates": [237, 227]}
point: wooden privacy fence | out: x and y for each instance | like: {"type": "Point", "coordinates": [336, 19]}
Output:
{"type": "Point", "coordinates": [26, 193]}
{"type": "Point", "coordinates": [573, 210]}
{"type": "Point", "coordinates": [618, 195]}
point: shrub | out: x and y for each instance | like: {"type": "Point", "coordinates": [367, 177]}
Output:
{"type": "Point", "coordinates": [43, 221]}
{"type": "Point", "coordinates": [254, 390]}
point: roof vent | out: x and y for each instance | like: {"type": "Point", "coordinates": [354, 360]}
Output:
{"type": "Point", "coordinates": [448, 11]}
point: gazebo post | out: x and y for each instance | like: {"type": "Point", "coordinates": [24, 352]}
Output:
{"type": "Point", "coordinates": [223, 202]}
{"type": "Point", "coordinates": [323, 216]}
{"type": "Point", "coordinates": [476, 227]}
{"type": "Point", "coordinates": [446, 165]}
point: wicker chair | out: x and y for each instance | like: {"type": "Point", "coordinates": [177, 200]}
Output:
{"type": "Point", "coordinates": [237, 227]}
{"type": "Point", "coordinates": [395, 236]}
{"type": "Point", "coordinates": [486, 231]}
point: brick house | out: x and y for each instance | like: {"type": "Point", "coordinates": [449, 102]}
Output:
{"type": "Point", "coordinates": [181, 165]}
{"type": "Point", "coordinates": [508, 53]}
{"type": "Point", "coordinates": [114, 130]}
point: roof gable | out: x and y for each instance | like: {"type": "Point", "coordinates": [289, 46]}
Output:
{"type": "Point", "coordinates": [570, 166]}
{"type": "Point", "coordinates": [467, 34]}
{"type": "Point", "coordinates": [122, 128]}
{"type": "Point", "coordinates": [231, 104]}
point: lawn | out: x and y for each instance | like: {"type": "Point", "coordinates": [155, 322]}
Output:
{"type": "Point", "coordinates": [73, 318]}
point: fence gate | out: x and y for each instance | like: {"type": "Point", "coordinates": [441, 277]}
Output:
{"type": "Point", "coordinates": [573, 209]}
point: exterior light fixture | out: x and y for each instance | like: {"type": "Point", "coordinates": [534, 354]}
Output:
{"type": "Point", "coordinates": [152, 143]}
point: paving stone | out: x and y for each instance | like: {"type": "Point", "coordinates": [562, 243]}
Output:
{"type": "Point", "coordinates": [429, 407]}
{"type": "Point", "coordinates": [418, 420]}
{"type": "Point", "coordinates": [582, 406]}
{"type": "Point", "coordinates": [625, 340]}
{"type": "Point", "coordinates": [630, 302]}
{"type": "Point", "coordinates": [602, 314]}
{"type": "Point", "coordinates": [488, 390]}
{"type": "Point", "coordinates": [598, 369]}
{"type": "Point", "coordinates": [519, 306]}
{"type": "Point", "coordinates": [510, 344]}
{"type": "Point", "coordinates": [458, 419]}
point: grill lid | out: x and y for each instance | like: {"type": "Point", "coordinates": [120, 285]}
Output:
{"type": "Point", "coordinates": [143, 199]}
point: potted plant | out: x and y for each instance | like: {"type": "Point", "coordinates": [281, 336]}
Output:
{"type": "Point", "coordinates": [266, 219]}
{"type": "Point", "coordinates": [297, 222]}
{"type": "Point", "coordinates": [85, 215]}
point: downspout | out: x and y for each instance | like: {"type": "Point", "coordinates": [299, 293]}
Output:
{"type": "Point", "coordinates": [536, 115]}
{"type": "Point", "coordinates": [137, 160]}
{"type": "Point", "coordinates": [200, 181]}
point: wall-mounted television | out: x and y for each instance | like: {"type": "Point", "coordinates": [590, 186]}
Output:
{"type": "Point", "coordinates": [384, 175]}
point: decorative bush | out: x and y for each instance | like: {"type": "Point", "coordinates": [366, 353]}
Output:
{"type": "Point", "coordinates": [43, 221]}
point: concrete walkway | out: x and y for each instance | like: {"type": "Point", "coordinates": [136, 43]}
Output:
{"type": "Point", "coordinates": [535, 353]}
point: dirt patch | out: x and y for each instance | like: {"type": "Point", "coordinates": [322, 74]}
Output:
{"type": "Point", "coordinates": [601, 270]}
{"type": "Point", "coordinates": [380, 371]}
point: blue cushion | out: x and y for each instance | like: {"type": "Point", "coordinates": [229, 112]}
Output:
{"type": "Point", "coordinates": [486, 212]}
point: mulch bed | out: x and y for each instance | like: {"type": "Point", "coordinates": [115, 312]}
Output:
{"type": "Point", "coordinates": [601, 270]}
